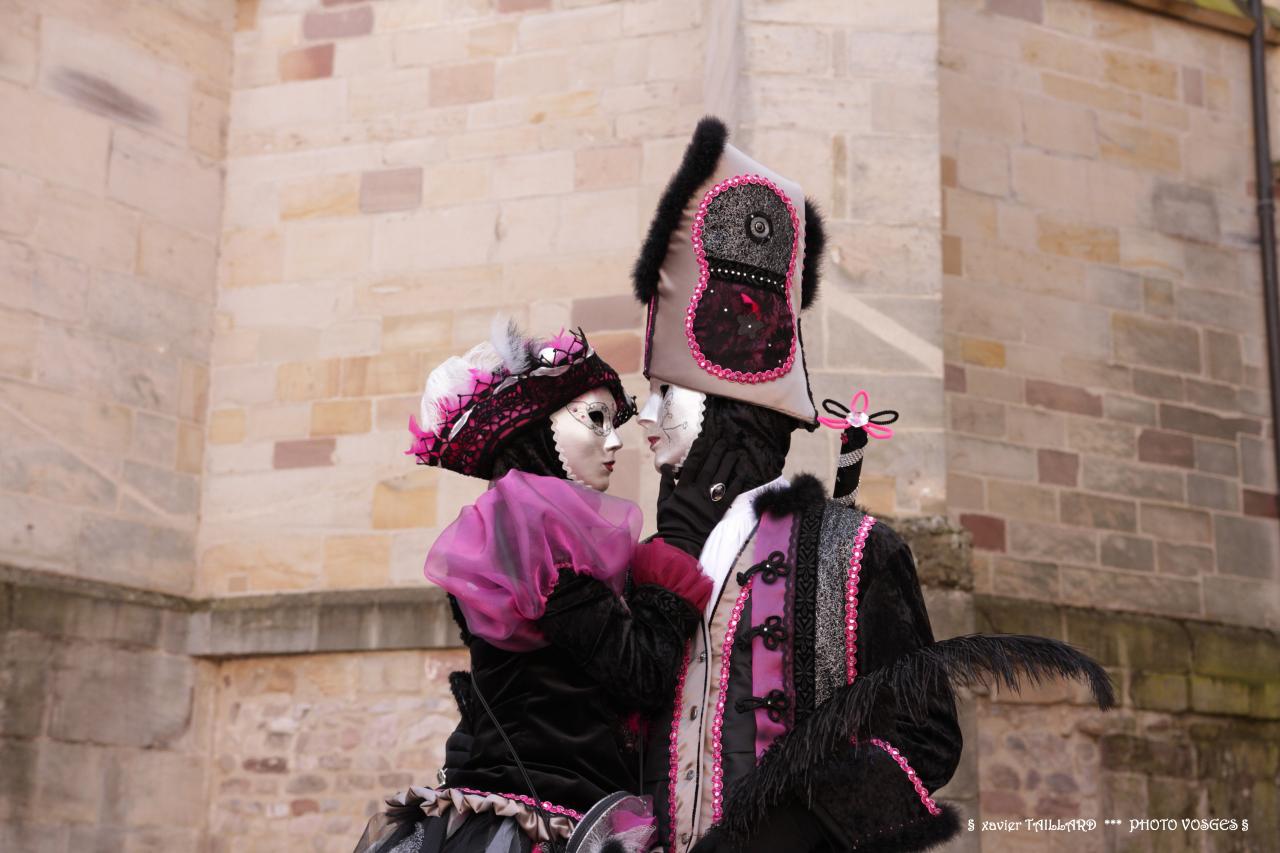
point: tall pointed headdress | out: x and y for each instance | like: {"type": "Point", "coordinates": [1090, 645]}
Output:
{"type": "Point", "coordinates": [731, 259]}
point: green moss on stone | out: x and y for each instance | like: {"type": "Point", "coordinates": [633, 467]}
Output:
{"type": "Point", "coordinates": [1219, 696]}
{"type": "Point", "coordinates": [1154, 691]}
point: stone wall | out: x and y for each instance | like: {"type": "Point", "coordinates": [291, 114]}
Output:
{"type": "Point", "coordinates": [1107, 379]}
{"type": "Point", "coordinates": [307, 747]}
{"type": "Point", "coordinates": [112, 190]}
{"type": "Point", "coordinates": [398, 172]}
{"type": "Point", "coordinates": [1196, 736]}
{"type": "Point", "coordinates": [106, 722]}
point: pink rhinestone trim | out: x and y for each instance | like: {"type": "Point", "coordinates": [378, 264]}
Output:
{"type": "Point", "coordinates": [528, 801]}
{"type": "Point", "coordinates": [673, 747]}
{"type": "Point", "coordinates": [851, 599]}
{"type": "Point", "coordinates": [717, 725]}
{"type": "Point", "coordinates": [704, 275]}
{"type": "Point", "coordinates": [851, 654]}
{"type": "Point", "coordinates": [901, 759]}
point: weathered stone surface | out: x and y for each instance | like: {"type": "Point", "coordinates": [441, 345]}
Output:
{"type": "Point", "coordinates": [1166, 448]}
{"type": "Point", "coordinates": [1206, 423]}
{"type": "Point", "coordinates": [988, 532]}
{"type": "Point", "coordinates": [1261, 504]}
{"type": "Point", "coordinates": [1114, 476]}
{"type": "Point", "coordinates": [1175, 524]}
{"type": "Point", "coordinates": [1064, 398]}
{"type": "Point", "coordinates": [1155, 343]}
{"type": "Point", "coordinates": [1058, 468]}
{"type": "Point", "coordinates": [1162, 386]}
{"type": "Point", "coordinates": [1086, 510]}
{"type": "Point", "coordinates": [391, 190]}
{"type": "Point", "coordinates": [1048, 542]}
{"type": "Point", "coordinates": [1233, 653]}
{"type": "Point", "coordinates": [1018, 616]}
{"type": "Point", "coordinates": [1148, 593]}
{"type": "Point", "coordinates": [1213, 492]}
{"type": "Point", "coordinates": [1246, 547]}
{"type": "Point", "coordinates": [1219, 696]}
{"type": "Point", "coordinates": [1186, 211]}
{"type": "Point", "coordinates": [1159, 692]}
{"type": "Point", "coordinates": [1185, 560]}
{"type": "Point", "coordinates": [1127, 552]}
{"type": "Point", "coordinates": [152, 692]}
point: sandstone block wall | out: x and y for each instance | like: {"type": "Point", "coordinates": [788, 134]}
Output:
{"type": "Point", "coordinates": [1107, 400]}
{"type": "Point", "coordinates": [398, 172]}
{"type": "Point", "coordinates": [106, 723]}
{"type": "Point", "coordinates": [110, 208]}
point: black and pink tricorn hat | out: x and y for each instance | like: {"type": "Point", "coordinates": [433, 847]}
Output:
{"type": "Point", "coordinates": [731, 259]}
{"type": "Point", "coordinates": [475, 402]}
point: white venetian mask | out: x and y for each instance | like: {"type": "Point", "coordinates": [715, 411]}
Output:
{"type": "Point", "coordinates": [672, 419]}
{"type": "Point", "coordinates": [585, 438]}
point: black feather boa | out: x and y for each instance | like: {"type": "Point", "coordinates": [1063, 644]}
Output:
{"type": "Point", "coordinates": [788, 769]}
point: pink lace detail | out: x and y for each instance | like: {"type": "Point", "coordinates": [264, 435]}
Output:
{"type": "Point", "coordinates": [901, 759]}
{"type": "Point", "coordinates": [673, 746]}
{"type": "Point", "coordinates": [704, 275]}
{"type": "Point", "coordinates": [851, 599]}
{"type": "Point", "coordinates": [528, 801]}
{"type": "Point", "coordinates": [717, 725]}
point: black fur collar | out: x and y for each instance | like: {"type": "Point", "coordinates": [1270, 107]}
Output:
{"type": "Point", "coordinates": [805, 491]}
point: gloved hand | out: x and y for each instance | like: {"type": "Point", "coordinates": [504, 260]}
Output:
{"type": "Point", "coordinates": [692, 502]}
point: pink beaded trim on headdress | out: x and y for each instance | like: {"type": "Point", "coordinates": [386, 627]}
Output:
{"type": "Point", "coordinates": [704, 276]}
{"type": "Point", "coordinates": [673, 746]}
{"type": "Point", "coordinates": [717, 724]}
{"type": "Point", "coordinates": [851, 655]}
{"type": "Point", "coordinates": [528, 801]}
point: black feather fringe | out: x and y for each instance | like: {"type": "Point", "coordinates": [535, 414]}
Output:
{"type": "Point", "coordinates": [786, 768]}
{"type": "Point", "coordinates": [699, 162]}
{"type": "Point", "coordinates": [815, 241]}
{"type": "Point", "coordinates": [805, 490]}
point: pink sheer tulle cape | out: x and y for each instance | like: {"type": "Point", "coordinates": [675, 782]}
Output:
{"type": "Point", "coordinates": [502, 556]}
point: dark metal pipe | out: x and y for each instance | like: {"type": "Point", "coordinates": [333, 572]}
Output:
{"type": "Point", "coordinates": [1266, 209]}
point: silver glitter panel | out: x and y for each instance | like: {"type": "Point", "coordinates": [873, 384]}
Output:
{"type": "Point", "coordinates": [725, 235]}
{"type": "Point", "coordinates": [851, 457]}
{"type": "Point", "coordinates": [839, 527]}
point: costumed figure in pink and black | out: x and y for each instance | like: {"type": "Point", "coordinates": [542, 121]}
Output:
{"type": "Point", "coordinates": [814, 710]}
{"type": "Point", "coordinates": [573, 626]}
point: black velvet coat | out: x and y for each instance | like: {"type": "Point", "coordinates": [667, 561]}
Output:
{"type": "Point", "coordinates": [814, 789]}
{"type": "Point", "coordinates": [569, 708]}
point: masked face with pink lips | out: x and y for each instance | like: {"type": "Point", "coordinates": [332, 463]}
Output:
{"type": "Point", "coordinates": [585, 439]}
{"type": "Point", "coordinates": [671, 419]}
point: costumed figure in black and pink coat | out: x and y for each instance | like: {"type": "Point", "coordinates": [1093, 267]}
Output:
{"type": "Point", "coordinates": [573, 627]}
{"type": "Point", "coordinates": [814, 710]}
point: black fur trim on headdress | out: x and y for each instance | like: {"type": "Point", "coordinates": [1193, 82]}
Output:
{"type": "Point", "coordinates": [815, 240]}
{"type": "Point", "coordinates": [699, 162]}
{"type": "Point", "coordinates": [786, 768]}
{"type": "Point", "coordinates": [804, 491]}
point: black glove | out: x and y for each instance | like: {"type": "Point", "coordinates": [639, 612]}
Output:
{"type": "Point", "coordinates": [693, 501]}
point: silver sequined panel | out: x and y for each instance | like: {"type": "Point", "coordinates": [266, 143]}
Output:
{"type": "Point", "coordinates": [725, 234]}
{"type": "Point", "coordinates": [839, 527]}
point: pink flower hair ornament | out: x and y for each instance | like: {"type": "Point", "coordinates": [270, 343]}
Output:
{"type": "Point", "coordinates": [875, 425]}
